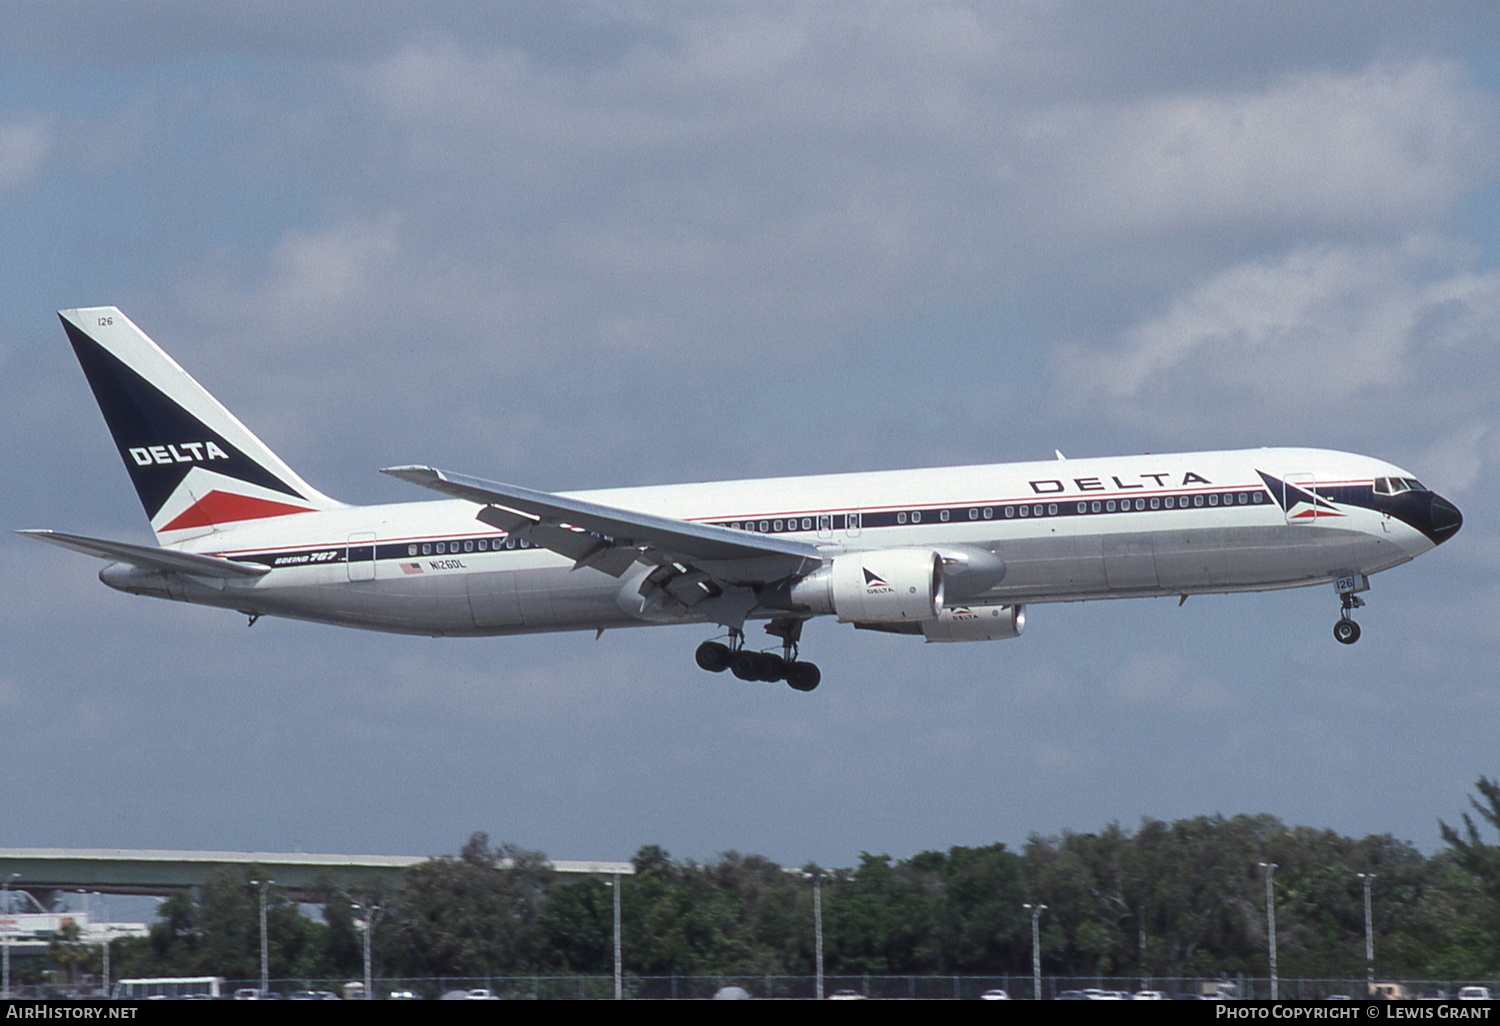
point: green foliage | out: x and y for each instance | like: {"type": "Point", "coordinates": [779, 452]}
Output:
{"type": "Point", "coordinates": [1478, 865]}
{"type": "Point", "coordinates": [217, 933]}
{"type": "Point", "coordinates": [479, 914]}
{"type": "Point", "coordinates": [1177, 899]}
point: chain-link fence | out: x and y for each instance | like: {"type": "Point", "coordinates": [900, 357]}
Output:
{"type": "Point", "coordinates": [763, 987]}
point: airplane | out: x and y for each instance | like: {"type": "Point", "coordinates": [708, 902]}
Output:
{"type": "Point", "coordinates": [948, 554]}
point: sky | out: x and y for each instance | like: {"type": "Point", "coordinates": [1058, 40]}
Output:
{"type": "Point", "coordinates": [577, 245]}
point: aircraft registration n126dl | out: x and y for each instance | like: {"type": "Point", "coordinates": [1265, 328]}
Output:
{"type": "Point", "coordinates": [946, 554]}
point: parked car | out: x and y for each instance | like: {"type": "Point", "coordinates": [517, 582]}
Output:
{"type": "Point", "coordinates": [1474, 994]}
{"type": "Point", "coordinates": [994, 995]}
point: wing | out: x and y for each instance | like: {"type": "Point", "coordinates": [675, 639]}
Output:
{"type": "Point", "coordinates": [150, 558]}
{"type": "Point", "coordinates": [693, 561]}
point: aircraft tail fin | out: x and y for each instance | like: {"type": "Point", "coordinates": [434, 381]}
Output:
{"type": "Point", "coordinates": [195, 467]}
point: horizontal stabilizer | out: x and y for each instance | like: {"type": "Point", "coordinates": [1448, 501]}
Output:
{"type": "Point", "coordinates": [150, 558]}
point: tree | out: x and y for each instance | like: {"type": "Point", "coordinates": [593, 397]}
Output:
{"type": "Point", "coordinates": [476, 915]}
{"type": "Point", "coordinates": [67, 950]}
{"type": "Point", "coordinates": [1473, 854]}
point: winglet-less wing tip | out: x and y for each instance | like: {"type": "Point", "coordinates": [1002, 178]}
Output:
{"type": "Point", "coordinates": [414, 473]}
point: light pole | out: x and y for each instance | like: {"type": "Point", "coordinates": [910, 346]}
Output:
{"type": "Point", "coordinates": [1369, 937]}
{"type": "Point", "coordinates": [265, 950]}
{"type": "Point", "coordinates": [817, 881]}
{"type": "Point", "coordinates": [371, 915]}
{"type": "Point", "coordinates": [104, 904]}
{"type": "Point", "coordinates": [5, 928]}
{"type": "Point", "coordinates": [104, 931]}
{"type": "Point", "coordinates": [613, 883]}
{"type": "Point", "coordinates": [1036, 950]}
{"type": "Point", "coordinates": [1140, 922]}
{"type": "Point", "coordinates": [1270, 868]}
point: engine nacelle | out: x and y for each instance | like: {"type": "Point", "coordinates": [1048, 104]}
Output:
{"type": "Point", "coordinates": [880, 586]}
{"type": "Point", "coordinates": [977, 623]}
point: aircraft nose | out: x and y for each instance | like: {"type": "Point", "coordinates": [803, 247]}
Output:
{"type": "Point", "coordinates": [1445, 519]}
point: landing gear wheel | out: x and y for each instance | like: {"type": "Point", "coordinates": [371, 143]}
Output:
{"type": "Point", "coordinates": [803, 676]}
{"type": "Point", "coordinates": [772, 668]}
{"type": "Point", "coordinates": [1346, 631]}
{"type": "Point", "coordinates": [758, 666]}
{"type": "Point", "coordinates": [713, 657]}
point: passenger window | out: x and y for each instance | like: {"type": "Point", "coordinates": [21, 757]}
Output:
{"type": "Point", "coordinates": [1155, 503]}
{"type": "Point", "coordinates": [776, 526]}
{"type": "Point", "coordinates": [1170, 502]}
{"type": "Point", "coordinates": [426, 549]}
{"type": "Point", "coordinates": [943, 516]}
{"type": "Point", "coordinates": [1051, 509]}
{"type": "Point", "coordinates": [1096, 506]}
{"type": "Point", "coordinates": [1213, 500]}
{"type": "Point", "coordinates": [1025, 511]}
{"type": "Point", "coordinates": [973, 514]}
{"type": "Point", "coordinates": [1197, 500]}
{"type": "Point", "coordinates": [411, 550]}
{"type": "Point", "coordinates": [916, 516]}
{"type": "Point", "coordinates": [1110, 505]}
{"type": "Point", "coordinates": [1140, 503]}
{"type": "Point", "coordinates": [988, 512]}
{"type": "Point", "coordinates": [1083, 507]}
{"type": "Point", "coordinates": [900, 518]}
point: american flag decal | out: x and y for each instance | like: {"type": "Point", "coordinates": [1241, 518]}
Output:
{"type": "Point", "coordinates": [411, 568]}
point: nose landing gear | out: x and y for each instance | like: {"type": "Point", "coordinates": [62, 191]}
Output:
{"type": "Point", "coordinates": [746, 664]}
{"type": "Point", "coordinates": [1346, 631]}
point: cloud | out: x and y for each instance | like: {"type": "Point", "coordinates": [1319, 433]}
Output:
{"type": "Point", "coordinates": [1167, 680]}
{"type": "Point", "coordinates": [1388, 145]}
{"type": "Point", "coordinates": [24, 146]}
{"type": "Point", "coordinates": [1321, 332]}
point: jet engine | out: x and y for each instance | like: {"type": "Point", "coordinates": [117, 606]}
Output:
{"type": "Point", "coordinates": [882, 586]}
{"type": "Point", "coordinates": [976, 623]}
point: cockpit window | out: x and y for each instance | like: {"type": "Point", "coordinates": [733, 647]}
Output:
{"type": "Point", "coordinates": [1397, 485]}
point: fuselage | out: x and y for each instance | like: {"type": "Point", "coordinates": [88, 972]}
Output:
{"type": "Point", "coordinates": [1063, 530]}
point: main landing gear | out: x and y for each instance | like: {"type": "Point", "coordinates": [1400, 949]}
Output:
{"type": "Point", "coordinates": [1346, 631]}
{"type": "Point", "coordinates": [745, 664]}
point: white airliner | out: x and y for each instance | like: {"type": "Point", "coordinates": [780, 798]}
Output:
{"type": "Point", "coordinates": [947, 554]}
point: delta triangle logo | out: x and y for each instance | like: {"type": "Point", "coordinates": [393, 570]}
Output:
{"type": "Point", "coordinates": [875, 584]}
{"type": "Point", "coordinates": [1300, 504]}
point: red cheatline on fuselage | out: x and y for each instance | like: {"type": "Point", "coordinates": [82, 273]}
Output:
{"type": "Point", "coordinates": [226, 508]}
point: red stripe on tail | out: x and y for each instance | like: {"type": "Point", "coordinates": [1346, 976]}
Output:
{"type": "Point", "coordinates": [226, 508]}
